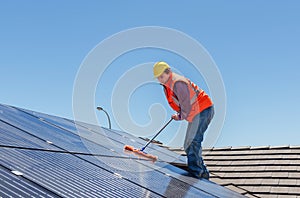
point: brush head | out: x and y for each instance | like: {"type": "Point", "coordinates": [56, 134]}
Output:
{"type": "Point", "coordinates": [128, 148]}
{"type": "Point", "coordinates": [140, 154]}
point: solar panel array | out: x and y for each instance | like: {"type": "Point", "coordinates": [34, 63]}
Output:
{"type": "Point", "coordinates": [49, 156]}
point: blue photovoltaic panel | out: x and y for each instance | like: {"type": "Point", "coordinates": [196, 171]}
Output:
{"type": "Point", "coordinates": [162, 176]}
{"type": "Point", "coordinates": [13, 137]}
{"type": "Point", "coordinates": [87, 161]}
{"type": "Point", "coordinates": [66, 174]}
{"type": "Point", "coordinates": [69, 176]}
{"type": "Point", "coordinates": [150, 176]}
{"type": "Point", "coordinates": [99, 136]}
{"type": "Point", "coordinates": [61, 138]}
{"type": "Point", "coordinates": [108, 138]}
{"type": "Point", "coordinates": [127, 139]}
{"type": "Point", "coordinates": [16, 186]}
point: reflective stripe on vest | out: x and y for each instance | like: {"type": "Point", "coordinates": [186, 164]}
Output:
{"type": "Point", "coordinates": [196, 95]}
{"type": "Point", "coordinates": [196, 89]}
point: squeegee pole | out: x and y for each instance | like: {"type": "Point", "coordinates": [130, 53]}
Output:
{"type": "Point", "coordinates": [142, 149]}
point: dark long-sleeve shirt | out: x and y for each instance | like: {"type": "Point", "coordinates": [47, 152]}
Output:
{"type": "Point", "coordinates": [182, 92]}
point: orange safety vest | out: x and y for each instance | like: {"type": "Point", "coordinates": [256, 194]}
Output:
{"type": "Point", "coordinates": [198, 98]}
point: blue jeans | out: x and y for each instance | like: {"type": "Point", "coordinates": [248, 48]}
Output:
{"type": "Point", "coordinates": [193, 140]}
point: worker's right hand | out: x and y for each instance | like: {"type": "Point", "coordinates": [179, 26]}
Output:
{"type": "Point", "coordinates": [175, 117]}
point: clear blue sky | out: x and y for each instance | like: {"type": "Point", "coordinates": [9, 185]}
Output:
{"type": "Point", "coordinates": [255, 45]}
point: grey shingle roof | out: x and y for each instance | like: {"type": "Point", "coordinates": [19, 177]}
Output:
{"type": "Point", "coordinates": [54, 157]}
{"type": "Point", "coordinates": [265, 171]}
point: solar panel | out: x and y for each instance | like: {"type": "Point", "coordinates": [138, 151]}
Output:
{"type": "Point", "coordinates": [55, 157]}
{"type": "Point", "coordinates": [12, 185]}
{"type": "Point", "coordinates": [68, 175]}
{"type": "Point", "coordinates": [127, 139]}
{"type": "Point", "coordinates": [62, 139]}
{"type": "Point", "coordinates": [107, 137]}
{"type": "Point", "coordinates": [13, 137]}
{"type": "Point", "coordinates": [149, 175]}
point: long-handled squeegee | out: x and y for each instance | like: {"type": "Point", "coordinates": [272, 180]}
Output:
{"type": "Point", "coordinates": [141, 151]}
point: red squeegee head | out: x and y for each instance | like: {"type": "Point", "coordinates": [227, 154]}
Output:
{"type": "Point", "coordinates": [140, 153]}
{"type": "Point", "coordinates": [128, 148]}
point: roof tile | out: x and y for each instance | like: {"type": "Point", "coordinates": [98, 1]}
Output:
{"type": "Point", "coordinates": [289, 182]}
{"type": "Point", "coordinates": [273, 168]}
{"type": "Point", "coordinates": [261, 189]}
{"type": "Point", "coordinates": [222, 149]}
{"type": "Point", "coordinates": [240, 148]}
{"type": "Point", "coordinates": [248, 188]}
{"type": "Point", "coordinates": [295, 146]}
{"type": "Point", "coordinates": [250, 195]}
{"type": "Point", "coordinates": [287, 196]}
{"type": "Point", "coordinates": [289, 168]}
{"type": "Point", "coordinates": [236, 189]}
{"type": "Point", "coordinates": [280, 174]}
{"type": "Point", "coordinates": [266, 195]}
{"type": "Point", "coordinates": [259, 147]}
{"type": "Point", "coordinates": [280, 147]}
{"type": "Point", "coordinates": [295, 175]}
{"type": "Point", "coordinates": [296, 191]}
{"type": "Point", "coordinates": [245, 181]}
{"type": "Point", "coordinates": [270, 181]}
{"type": "Point", "coordinates": [279, 189]}
{"type": "Point", "coordinates": [295, 162]}
{"type": "Point", "coordinates": [269, 171]}
{"type": "Point", "coordinates": [221, 181]}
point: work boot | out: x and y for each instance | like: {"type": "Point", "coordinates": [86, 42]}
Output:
{"type": "Point", "coordinates": [205, 175]}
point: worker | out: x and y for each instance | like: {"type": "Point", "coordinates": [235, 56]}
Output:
{"type": "Point", "coordinates": [192, 104]}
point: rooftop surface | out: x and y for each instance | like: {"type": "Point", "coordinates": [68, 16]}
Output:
{"type": "Point", "coordinates": [266, 171]}
{"type": "Point", "coordinates": [49, 156]}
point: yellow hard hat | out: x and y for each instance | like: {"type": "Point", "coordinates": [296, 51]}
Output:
{"type": "Point", "coordinates": [159, 68]}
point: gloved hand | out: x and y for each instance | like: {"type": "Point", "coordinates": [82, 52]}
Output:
{"type": "Point", "coordinates": [176, 117]}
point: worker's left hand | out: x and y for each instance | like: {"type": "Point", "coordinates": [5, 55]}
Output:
{"type": "Point", "coordinates": [175, 117]}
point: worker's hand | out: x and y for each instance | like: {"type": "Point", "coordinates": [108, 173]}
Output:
{"type": "Point", "coordinates": [175, 117]}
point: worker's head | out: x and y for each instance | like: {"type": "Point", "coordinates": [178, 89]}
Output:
{"type": "Point", "coordinates": [161, 71]}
